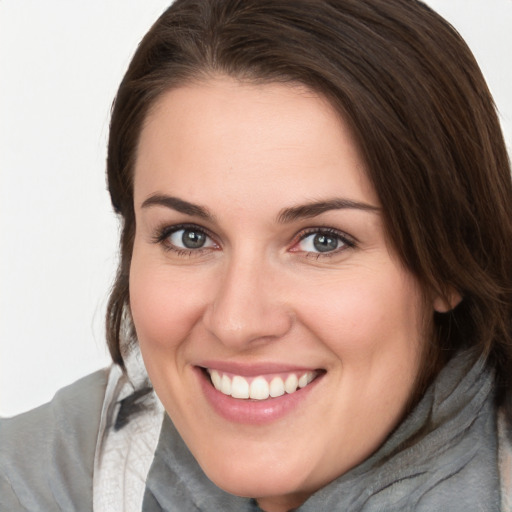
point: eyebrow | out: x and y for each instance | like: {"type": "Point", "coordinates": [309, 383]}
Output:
{"type": "Point", "coordinates": [286, 215]}
{"type": "Point", "coordinates": [313, 209]}
{"type": "Point", "coordinates": [179, 205]}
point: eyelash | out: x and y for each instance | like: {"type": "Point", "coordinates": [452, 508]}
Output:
{"type": "Point", "coordinates": [346, 240]}
{"type": "Point", "coordinates": [162, 235]}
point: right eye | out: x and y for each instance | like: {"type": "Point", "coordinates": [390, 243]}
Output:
{"type": "Point", "coordinates": [190, 238]}
{"type": "Point", "coordinates": [184, 240]}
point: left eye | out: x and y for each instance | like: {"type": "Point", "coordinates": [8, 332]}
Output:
{"type": "Point", "coordinates": [321, 242]}
{"type": "Point", "coordinates": [189, 238]}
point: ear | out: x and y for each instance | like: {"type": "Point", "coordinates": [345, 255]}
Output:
{"type": "Point", "coordinates": [446, 302]}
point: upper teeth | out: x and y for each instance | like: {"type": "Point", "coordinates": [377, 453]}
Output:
{"type": "Point", "coordinates": [261, 387]}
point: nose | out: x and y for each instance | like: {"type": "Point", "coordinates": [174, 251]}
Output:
{"type": "Point", "coordinates": [248, 305]}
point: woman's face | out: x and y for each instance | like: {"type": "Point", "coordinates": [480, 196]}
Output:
{"type": "Point", "coordinates": [261, 263]}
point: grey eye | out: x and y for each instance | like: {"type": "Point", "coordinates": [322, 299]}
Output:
{"type": "Point", "coordinates": [189, 238]}
{"type": "Point", "coordinates": [320, 242]}
{"type": "Point", "coordinates": [325, 243]}
{"type": "Point", "coordinates": [193, 239]}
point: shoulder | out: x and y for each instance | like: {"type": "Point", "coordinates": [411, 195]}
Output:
{"type": "Point", "coordinates": [505, 460]}
{"type": "Point", "coordinates": [47, 454]}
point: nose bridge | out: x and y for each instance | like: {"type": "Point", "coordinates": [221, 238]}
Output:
{"type": "Point", "coordinates": [246, 307]}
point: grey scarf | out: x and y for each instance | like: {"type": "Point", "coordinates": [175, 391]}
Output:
{"type": "Point", "coordinates": [443, 457]}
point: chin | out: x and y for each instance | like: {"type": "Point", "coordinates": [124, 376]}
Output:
{"type": "Point", "coordinates": [259, 479]}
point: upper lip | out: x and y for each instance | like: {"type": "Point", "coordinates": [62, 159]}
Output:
{"type": "Point", "coordinates": [254, 369]}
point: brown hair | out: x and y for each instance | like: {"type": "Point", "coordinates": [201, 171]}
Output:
{"type": "Point", "coordinates": [419, 108]}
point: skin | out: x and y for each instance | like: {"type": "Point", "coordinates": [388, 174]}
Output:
{"type": "Point", "coordinates": [259, 291]}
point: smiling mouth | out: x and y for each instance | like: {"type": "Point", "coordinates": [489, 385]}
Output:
{"type": "Point", "coordinates": [261, 387]}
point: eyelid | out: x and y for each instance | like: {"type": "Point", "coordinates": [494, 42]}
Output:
{"type": "Point", "coordinates": [162, 234]}
{"type": "Point", "coordinates": [348, 241]}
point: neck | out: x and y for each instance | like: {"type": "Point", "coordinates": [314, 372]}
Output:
{"type": "Point", "coordinates": [284, 503]}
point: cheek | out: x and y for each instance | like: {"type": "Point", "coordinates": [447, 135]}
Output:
{"type": "Point", "coordinates": [164, 306]}
{"type": "Point", "coordinates": [371, 313]}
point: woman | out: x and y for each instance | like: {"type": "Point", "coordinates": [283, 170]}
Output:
{"type": "Point", "coordinates": [315, 275]}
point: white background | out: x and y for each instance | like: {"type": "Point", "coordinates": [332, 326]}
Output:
{"type": "Point", "coordinates": [60, 64]}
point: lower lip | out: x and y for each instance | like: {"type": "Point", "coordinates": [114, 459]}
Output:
{"type": "Point", "coordinates": [253, 412]}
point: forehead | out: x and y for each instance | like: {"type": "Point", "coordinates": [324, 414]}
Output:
{"type": "Point", "coordinates": [225, 134]}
